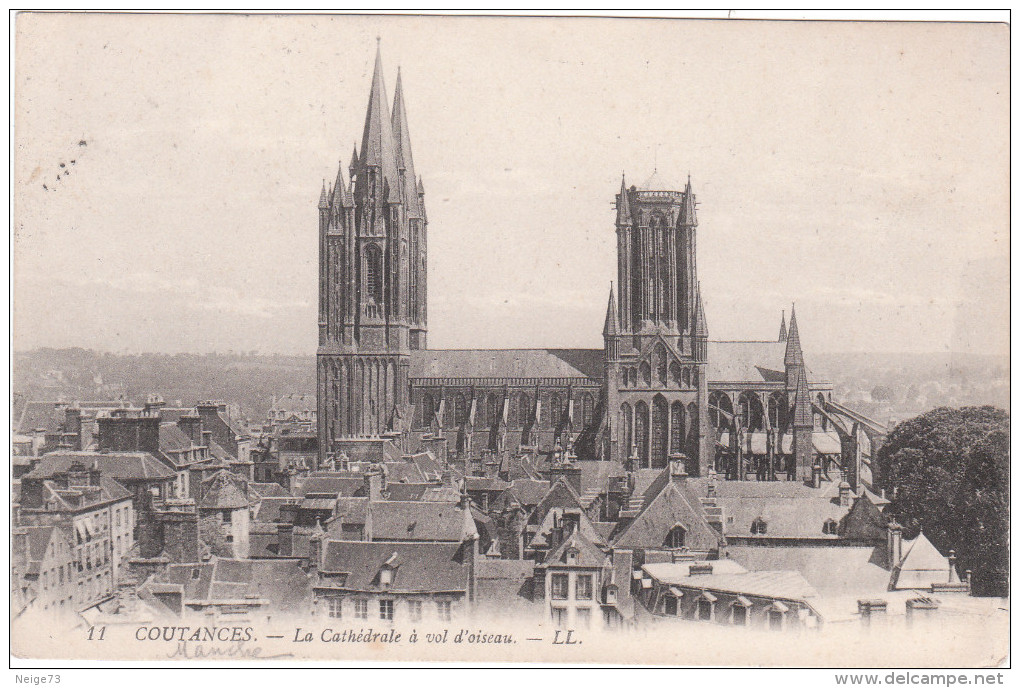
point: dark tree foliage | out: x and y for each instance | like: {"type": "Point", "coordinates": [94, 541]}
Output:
{"type": "Point", "coordinates": [949, 473]}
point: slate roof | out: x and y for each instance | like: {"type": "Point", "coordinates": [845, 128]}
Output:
{"type": "Point", "coordinates": [748, 361]}
{"type": "Point", "coordinates": [666, 504]}
{"type": "Point", "coordinates": [402, 472]}
{"type": "Point", "coordinates": [172, 438]}
{"type": "Point", "coordinates": [268, 510]}
{"type": "Point", "coordinates": [790, 509]}
{"type": "Point", "coordinates": [832, 570]}
{"type": "Point", "coordinates": [406, 492]}
{"type": "Point", "coordinates": [420, 521]}
{"type": "Point", "coordinates": [282, 583]}
{"type": "Point", "coordinates": [518, 363]}
{"type": "Point", "coordinates": [418, 566]}
{"type": "Point", "coordinates": [268, 489]}
{"type": "Point", "coordinates": [788, 585]}
{"type": "Point", "coordinates": [671, 573]}
{"type": "Point", "coordinates": [344, 486]}
{"type": "Point", "coordinates": [588, 555]}
{"type": "Point", "coordinates": [352, 510]}
{"type": "Point", "coordinates": [224, 490]}
{"type": "Point", "coordinates": [118, 465]}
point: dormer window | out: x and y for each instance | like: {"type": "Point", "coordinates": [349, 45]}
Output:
{"type": "Point", "coordinates": [386, 577]}
{"type": "Point", "coordinates": [611, 594]}
{"type": "Point", "coordinates": [572, 555]}
{"type": "Point", "coordinates": [677, 537]}
{"type": "Point", "coordinates": [759, 526]}
{"type": "Point", "coordinates": [830, 527]}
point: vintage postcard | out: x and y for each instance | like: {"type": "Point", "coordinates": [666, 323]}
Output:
{"type": "Point", "coordinates": [510, 340]}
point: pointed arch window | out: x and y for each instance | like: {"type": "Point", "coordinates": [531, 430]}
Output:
{"type": "Point", "coordinates": [428, 410]}
{"type": "Point", "coordinates": [646, 373]}
{"type": "Point", "coordinates": [677, 427]}
{"type": "Point", "coordinates": [374, 273]}
{"type": "Point", "coordinates": [460, 410]}
{"type": "Point", "coordinates": [555, 411]}
{"type": "Point", "coordinates": [660, 365]}
{"type": "Point", "coordinates": [587, 409]}
{"type": "Point", "coordinates": [524, 412]}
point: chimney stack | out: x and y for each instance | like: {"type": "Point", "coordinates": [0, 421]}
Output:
{"type": "Point", "coordinates": [894, 544]}
{"type": "Point", "coordinates": [844, 494]}
{"type": "Point", "coordinates": [816, 475]}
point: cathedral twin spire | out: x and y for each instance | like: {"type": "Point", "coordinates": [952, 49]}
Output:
{"type": "Point", "coordinates": [385, 149]}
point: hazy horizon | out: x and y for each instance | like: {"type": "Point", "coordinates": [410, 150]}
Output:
{"type": "Point", "coordinates": [857, 169]}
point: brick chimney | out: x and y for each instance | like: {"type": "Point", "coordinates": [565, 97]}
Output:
{"type": "Point", "coordinates": [677, 469]}
{"type": "Point", "coordinates": [191, 425]}
{"type": "Point", "coordinates": [72, 426]}
{"type": "Point", "coordinates": [570, 471]}
{"type": "Point", "coordinates": [894, 543]}
{"type": "Point", "coordinates": [285, 539]}
{"type": "Point", "coordinates": [129, 434]}
{"type": "Point", "coordinates": [206, 438]}
{"type": "Point", "coordinates": [816, 475]}
{"type": "Point", "coordinates": [78, 475]}
{"type": "Point", "coordinates": [375, 482]}
{"type": "Point", "coordinates": [845, 494]}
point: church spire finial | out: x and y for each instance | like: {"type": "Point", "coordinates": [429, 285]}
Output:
{"type": "Point", "coordinates": [688, 215]}
{"type": "Point", "coordinates": [782, 327]}
{"type": "Point", "coordinates": [794, 354]}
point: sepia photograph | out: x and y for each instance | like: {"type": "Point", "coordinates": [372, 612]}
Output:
{"type": "Point", "coordinates": [510, 340]}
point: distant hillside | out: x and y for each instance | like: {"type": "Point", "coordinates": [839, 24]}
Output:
{"type": "Point", "coordinates": [248, 380]}
{"type": "Point", "coordinates": [889, 387]}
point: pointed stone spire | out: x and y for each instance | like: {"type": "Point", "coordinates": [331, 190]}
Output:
{"type": "Point", "coordinates": [353, 169]}
{"type": "Point", "coordinates": [323, 200]}
{"type": "Point", "coordinates": [700, 322]}
{"type": "Point", "coordinates": [623, 205]}
{"type": "Point", "coordinates": [794, 355]}
{"type": "Point", "coordinates": [339, 188]}
{"type": "Point", "coordinates": [688, 215]}
{"type": "Point", "coordinates": [612, 326]}
{"type": "Point", "coordinates": [421, 187]}
{"type": "Point", "coordinates": [782, 328]}
{"type": "Point", "coordinates": [402, 137]}
{"type": "Point", "coordinates": [378, 148]}
{"type": "Point", "coordinates": [802, 416]}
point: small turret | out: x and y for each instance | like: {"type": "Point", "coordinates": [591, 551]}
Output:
{"type": "Point", "coordinates": [612, 326]}
{"type": "Point", "coordinates": [794, 354]}
{"type": "Point", "coordinates": [323, 200]}
{"type": "Point", "coordinates": [688, 214]}
{"type": "Point", "coordinates": [623, 217]}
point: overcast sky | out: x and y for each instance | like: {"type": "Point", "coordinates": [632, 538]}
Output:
{"type": "Point", "coordinates": [858, 169]}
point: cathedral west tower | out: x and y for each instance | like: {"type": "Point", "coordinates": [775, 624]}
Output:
{"type": "Point", "coordinates": [656, 336]}
{"type": "Point", "coordinates": [372, 286]}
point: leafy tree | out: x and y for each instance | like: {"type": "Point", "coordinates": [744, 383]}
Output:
{"type": "Point", "coordinates": [949, 473]}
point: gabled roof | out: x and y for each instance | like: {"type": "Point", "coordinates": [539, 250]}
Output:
{"type": "Point", "coordinates": [268, 489]}
{"type": "Point", "coordinates": [519, 363]}
{"type": "Point", "coordinates": [224, 490]}
{"type": "Point", "coordinates": [420, 521]}
{"type": "Point", "coordinates": [340, 485]}
{"type": "Point", "coordinates": [118, 465]}
{"type": "Point", "coordinates": [588, 555]}
{"type": "Point", "coordinates": [668, 503]}
{"type": "Point", "coordinates": [415, 566]}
